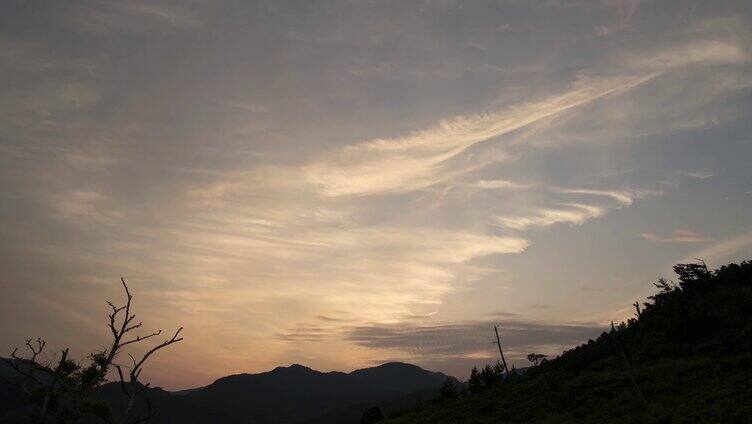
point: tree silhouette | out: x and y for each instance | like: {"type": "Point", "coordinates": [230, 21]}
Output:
{"type": "Point", "coordinates": [61, 391]}
{"type": "Point", "coordinates": [492, 375]}
{"type": "Point", "coordinates": [536, 358]}
{"type": "Point", "coordinates": [474, 383]}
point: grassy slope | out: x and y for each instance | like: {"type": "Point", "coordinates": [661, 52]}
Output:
{"type": "Point", "coordinates": [679, 391]}
{"type": "Point", "coordinates": [691, 353]}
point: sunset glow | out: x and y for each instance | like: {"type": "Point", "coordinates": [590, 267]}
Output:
{"type": "Point", "coordinates": [340, 184]}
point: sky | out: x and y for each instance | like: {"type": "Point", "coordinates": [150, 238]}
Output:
{"type": "Point", "coordinates": [345, 183]}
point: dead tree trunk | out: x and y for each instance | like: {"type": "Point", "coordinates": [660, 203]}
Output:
{"type": "Point", "coordinates": [498, 342]}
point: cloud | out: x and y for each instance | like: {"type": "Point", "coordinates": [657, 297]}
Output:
{"type": "Point", "coordinates": [305, 333]}
{"type": "Point", "coordinates": [109, 16]}
{"type": "Point", "coordinates": [367, 271]}
{"type": "Point", "coordinates": [331, 319]}
{"type": "Point", "coordinates": [468, 339]}
{"type": "Point", "coordinates": [569, 213]}
{"type": "Point", "coordinates": [732, 248]}
{"type": "Point", "coordinates": [678, 236]}
{"type": "Point", "coordinates": [500, 184]}
{"type": "Point", "coordinates": [625, 197]}
{"type": "Point", "coordinates": [421, 159]}
{"type": "Point", "coordinates": [85, 207]}
{"type": "Point", "coordinates": [426, 157]}
{"type": "Point", "coordinates": [701, 175]}
{"type": "Point", "coordinates": [702, 52]}
{"type": "Point", "coordinates": [503, 314]}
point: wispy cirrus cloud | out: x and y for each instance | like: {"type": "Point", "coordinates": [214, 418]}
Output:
{"type": "Point", "coordinates": [720, 251]}
{"type": "Point", "coordinates": [422, 159]}
{"type": "Point", "coordinates": [574, 212]}
{"type": "Point", "coordinates": [678, 236]}
{"type": "Point", "coordinates": [624, 197]}
{"type": "Point", "coordinates": [701, 175]}
{"type": "Point", "coordinates": [700, 52]}
{"type": "Point", "coordinates": [714, 252]}
{"type": "Point", "coordinates": [425, 157]}
{"type": "Point", "coordinates": [500, 184]}
{"type": "Point", "coordinates": [568, 213]}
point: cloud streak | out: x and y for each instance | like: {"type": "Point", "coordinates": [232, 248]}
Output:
{"type": "Point", "coordinates": [420, 160]}
{"type": "Point", "coordinates": [678, 236]}
{"type": "Point", "coordinates": [423, 158]}
{"type": "Point", "coordinates": [624, 197]}
{"type": "Point", "coordinates": [701, 175]}
{"type": "Point", "coordinates": [568, 213]}
{"type": "Point", "coordinates": [722, 250]}
{"type": "Point", "coordinates": [500, 184]}
{"type": "Point", "coordinates": [471, 339]}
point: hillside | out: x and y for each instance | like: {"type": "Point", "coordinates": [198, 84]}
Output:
{"type": "Point", "coordinates": [689, 349]}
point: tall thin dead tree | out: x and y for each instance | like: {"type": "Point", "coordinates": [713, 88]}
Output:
{"type": "Point", "coordinates": [627, 364]}
{"type": "Point", "coordinates": [62, 390]}
{"type": "Point", "coordinates": [501, 352]}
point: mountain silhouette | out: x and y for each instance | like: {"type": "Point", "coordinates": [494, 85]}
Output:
{"type": "Point", "coordinates": [294, 394]}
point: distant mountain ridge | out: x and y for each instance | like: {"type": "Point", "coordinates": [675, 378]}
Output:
{"type": "Point", "coordinates": [284, 395]}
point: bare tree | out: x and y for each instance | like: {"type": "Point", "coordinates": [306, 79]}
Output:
{"type": "Point", "coordinates": [498, 342]}
{"type": "Point", "coordinates": [62, 390]}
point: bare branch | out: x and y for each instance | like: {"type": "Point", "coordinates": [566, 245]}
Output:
{"type": "Point", "coordinates": [117, 334]}
{"type": "Point", "coordinates": [166, 343]}
{"type": "Point", "coordinates": [141, 338]}
{"type": "Point", "coordinates": [132, 359]}
{"type": "Point", "coordinates": [76, 381]}
{"type": "Point", "coordinates": [35, 351]}
{"type": "Point", "coordinates": [122, 379]}
{"type": "Point", "coordinates": [133, 327]}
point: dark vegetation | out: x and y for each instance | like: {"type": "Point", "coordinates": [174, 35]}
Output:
{"type": "Point", "coordinates": [686, 357]}
{"type": "Point", "coordinates": [65, 390]}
